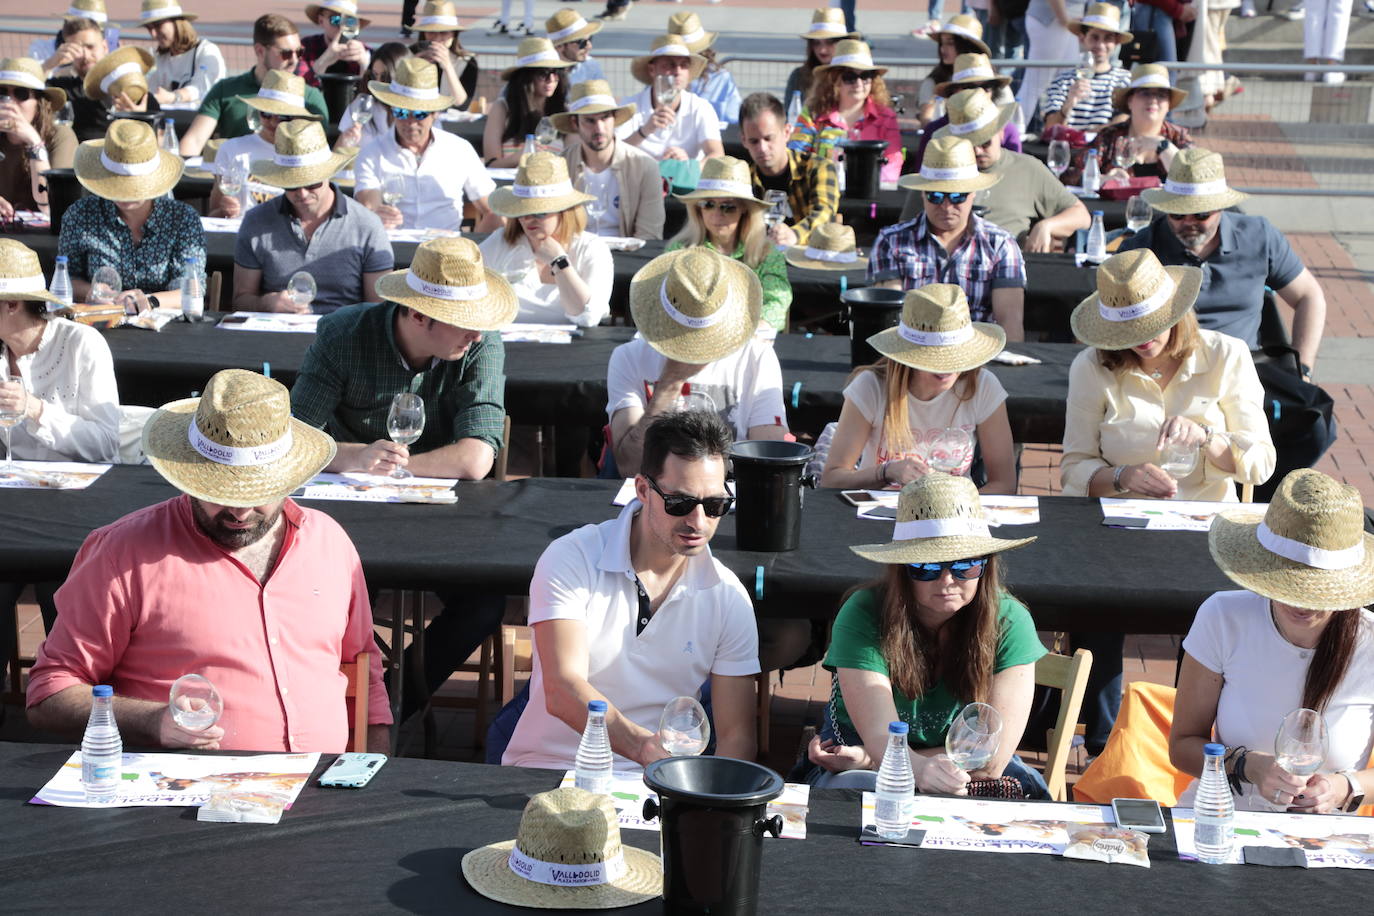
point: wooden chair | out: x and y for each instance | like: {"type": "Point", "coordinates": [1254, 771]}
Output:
{"type": "Point", "coordinates": [213, 288]}
{"type": "Point", "coordinates": [1070, 676]}
{"type": "Point", "coordinates": [357, 673]}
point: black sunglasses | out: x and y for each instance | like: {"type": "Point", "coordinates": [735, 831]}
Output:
{"type": "Point", "coordinates": [279, 118]}
{"type": "Point", "coordinates": [679, 505]}
{"type": "Point", "coordinates": [309, 187]}
{"type": "Point", "coordinates": [580, 42]}
{"type": "Point", "coordinates": [288, 52]}
{"type": "Point", "coordinates": [939, 197]}
{"type": "Point", "coordinates": [962, 569]}
{"type": "Point", "coordinates": [724, 206]}
{"type": "Point", "coordinates": [1184, 217]}
{"type": "Point", "coordinates": [543, 73]}
{"type": "Point", "coordinates": [18, 93]}
{"type": "Point", "coordinates": [853, 76]}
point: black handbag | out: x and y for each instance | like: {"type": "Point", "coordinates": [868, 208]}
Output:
{"type": "Point", "coordinates": [1301, 415]}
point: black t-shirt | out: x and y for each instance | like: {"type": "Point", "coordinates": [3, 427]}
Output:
{"type": "Point", "coordinates": [779, 182]}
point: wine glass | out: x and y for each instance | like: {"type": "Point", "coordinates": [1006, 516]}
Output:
{"type": "Point", "coordinates": [973, 736]}
{"type": "Point", "coordinates": [1178, 460]}
{"type": "Point", "coordinates": [665, 90]}
{"type": "Point", "coordinates": [683, 729]}
{"type": "Point", "coordinates": [65, 115]}
{"type": "Point", "coordinates": [254, 119]}
{"type": "Point", "coordinates": [545, 133]}
{"type": "Point", "coordinates": [404, 423]}
{"type": "Point", "coordinates": [349, 27]}
{"type": "Point", "coordinates": [105, 286]}
{"type": "Point", "coordinates": [1300, 745]}
{"type": "Point", "coordinates": [393, 189]}
{"type": "Point", "coordinates": [1086, 66]}
{"type": "Point", "coordinates": [1058, 157]}
{"type": "Point", "coordinates": [950, 449]}
{"type": "Point", "coordinates": [1138, 213]}
{"type": "Point", "coordinates": [302, 289]}
{"type": "Point", "coordinates": [1124, 154]}
{"type": "Point", "coordinates": [195, 703]}
{"type": "Point", "coordinates": [11, 419]}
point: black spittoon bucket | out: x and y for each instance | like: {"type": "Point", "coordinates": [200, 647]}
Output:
{"type": "Point", "coordinates": [768, 493]}
{"type": "Point", "coordinates": [337, 89]}
{"type": "Point", "coordinates": [63, 191]}
{"type": "Point", "coordinates": [869, 311]}
{"type": "Point", "coordinates": [712, 813]}
{"type": "Point", "coordinates": [863, 165]}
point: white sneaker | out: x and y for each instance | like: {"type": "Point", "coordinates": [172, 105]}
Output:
{"type": "Point", "coordinates": [1333, 78]}
{"type": "Point", "coordinates": [498, 28]}
{"type": "Point", "coordinates": [1294, 13]}
{"type": "Point", "coordinates": [520, 31]}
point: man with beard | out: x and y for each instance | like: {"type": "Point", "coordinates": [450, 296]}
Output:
{"type": "Point", "coordinates": [1239, 255]}
{"type": "Point", "coordinates": [231, 580]}
{"type": "Point", "coordinates": [623, 179]}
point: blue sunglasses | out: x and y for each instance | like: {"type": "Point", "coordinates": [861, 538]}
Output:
{"type": "Point", "coordinates": [339, 20]}
{"type": "Point", "coordinates": [403, 114]}
{"type": "Point", "coordinates": [954, 197]}
{"type": "Point", "coordinates": [962, 569]}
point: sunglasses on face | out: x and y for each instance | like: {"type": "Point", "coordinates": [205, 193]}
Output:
{"type": "Point", "coordinates": [338, 19]}
{"type": "Point", "coordinates": [279, 119]}
{"type": "Point", "coordinates": [288, 53]}
{"type": "Point", "coordinates": [543, 73]}
{"type": "Point", "coordinates": [1197, 217]}
{"type": "Point", "coordinates": [939, 197]}
{"type": "Point", "coordinates": [18, 93]}
{"type": "Point", "coordinates": [580, 43]}
{"type": "Point", "coordinates": [678, 505]}
{"type": "Point", "coordinates": [724, 206]}
{"type": "Point", "coordinates": [961, 569]}
{"type": "Point", "coordinates": [853, 76]}
{"type": "Point", "coordinates": [403, 114]}
{"type": "Point", "coordinates": [310, 187]}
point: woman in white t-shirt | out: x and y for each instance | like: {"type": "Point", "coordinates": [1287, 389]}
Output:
{"type": "Point", "coordinates": [1297, 636]}
{"type": "Point", "coordinates": [928, 381]}
{"type": "Point", "coordinates": [186, 65]}
{"type": "Point", "coordinates": [561, 272]}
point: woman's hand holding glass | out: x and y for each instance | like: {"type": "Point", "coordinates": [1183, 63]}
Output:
{"type": "Point", "coordinates": [903, 471]}
{"type": "Point", "coordinates": [938, 774]}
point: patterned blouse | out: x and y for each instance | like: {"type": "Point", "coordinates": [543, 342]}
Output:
{"type": "Point", "coordinates": [772, 273]}
{"type": "Point", "coordinates": [94, 236]}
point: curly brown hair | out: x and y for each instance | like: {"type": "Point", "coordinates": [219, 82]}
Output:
{"type": "Point", "coordinates": [824, 96]}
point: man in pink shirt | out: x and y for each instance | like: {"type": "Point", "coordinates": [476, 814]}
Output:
{"type": "Point", "coordinates": [231, 580]}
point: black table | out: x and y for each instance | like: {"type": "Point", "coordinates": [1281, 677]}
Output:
{"type": "Point", "coordinates": [397, 844]}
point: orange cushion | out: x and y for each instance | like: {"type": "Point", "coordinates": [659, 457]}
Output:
{"type": "Point", "coordinates": [1135, 762]}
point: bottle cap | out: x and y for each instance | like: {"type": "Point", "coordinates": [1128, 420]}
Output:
{"type": "Point", "coordinates": [1097, 213]}
{"type": "Point", "coordinates": [102, 690]}
{"type": "Point", "coordinates": [898, 728]}
{"type": "Point", "coordinates": [596, 706]}
{"type": "Point", "coordinates": [61, 259]}
{"type": "Point", "coordinates": [1214, 750]}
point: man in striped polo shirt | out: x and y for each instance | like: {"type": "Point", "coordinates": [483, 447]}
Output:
{"type": "Point", "coordinates": [1086, 104]}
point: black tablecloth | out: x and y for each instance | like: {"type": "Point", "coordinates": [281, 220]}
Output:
{"type": "Point", "coordinates": [397, 844]}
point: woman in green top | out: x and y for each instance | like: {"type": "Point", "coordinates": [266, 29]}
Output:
{"type": "Point", "coordinates": [724, 215]}
{"type": "Point", "coordinates": [936, 632]}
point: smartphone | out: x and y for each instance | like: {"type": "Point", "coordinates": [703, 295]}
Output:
{"type": "Point", "coordinates": [352, 771]}
{"type": "Point", "coordinates": [1141, 814]}
{"type": "Point", "coordinates": [858, 497]}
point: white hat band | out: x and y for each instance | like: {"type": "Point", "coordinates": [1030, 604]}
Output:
{"type": "Point", "coordinates": [238, 456]}
{"type": "Point", "coordinates": [1195, 189]}
{"type": "Point", "coordinates": [542, 190]}
{"type": "Point", "coordinates": [95, 15]}
{"type": "Point", "coordinates": [161, 12]}
{"type": "Point", "coordinates": [939, 528]}
{"type": "Point", "coordinates": [1140, 309]}
{"type": "Point", "coordinates": [935, 338]}
{"type": "Point", "coordinates": [561, 874]}
{"type": "Point", "coordinates": [973, 73]}
{"type": "Point", "coordinates": [825, 25]}
{"type": "Point", "coordinates": [34, 284]}
{"type": "Point", "coordinates": [670, 50]}
{"type": "Point", "coordinates": [22, 78]}
{"type": "Point", "coordinates": [1151, 81]}
{"type": "Point", "coordinates": [295, 161]}
{"type": "Point", "coordinates": [1308, 555]}
{"type": "Point", "coordinates": [130, 168]}
{"type": "Point", "coordinates": [687, 321]}
{"type": "Point", "coordinates": [588, 100]}
{"type": "Point", "coordinates": [959, 173]}
{"type": "Point", "coordinates": [728, 187]}
{"type": "Point", "coordinates": [441, 291]}
{"type": "Point", "coordinates": [414, 92]}
{"type": "Point", "coordinates": [578, 25]}
{"type": "Point", "coordinates": [953, 29]}
{"type": "Point", "coordinates": [285, 98]}
{"type": "Point", "coordinates": [689, 37]}
{"type": "Point", "coordinates": [1101, 22]}
{"type": "Point", "coordinates": [983, 120]}
{"type": "Point", "coordinates": [842, 59]}
{"type": "Point", "coordinates": [118, 73]}
{"type": "Point", "coordinates": [551, 56]}
{"type": "Point", "coordinates": [451, 21]}
{"type": "Point", "coordinates": [835, 257]}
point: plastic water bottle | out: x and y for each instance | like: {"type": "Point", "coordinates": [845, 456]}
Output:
{"type": "Point", "coordinates": [530, 149]}
{"type": "Point", "coordinates": [62, 281]}
{"type": "Point", "coordinates": [1213, 809]}
{"type": "Point", "coordinates": [1097, 239]}
{"type": "Point", "coordinates": [169, 137]}
{"type": "Point", "coordinates": [896, 786]}
{"type": "Point", "coordinates": [594, 760]}
{"type": "Point", "coordinates": [192, 291]}
{"type": "Point", "coordinates": [1092, 173]}
{"type": "Point", "coordinates": [102, 751]}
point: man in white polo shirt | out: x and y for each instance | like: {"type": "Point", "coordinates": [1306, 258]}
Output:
{"type": "Point", "coordinates": [635, 611]}
{"type": "Point", "coordinates": [685, 128]}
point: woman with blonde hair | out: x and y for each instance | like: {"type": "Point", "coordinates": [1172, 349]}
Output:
{"type": "Point", "coordinates": [849, 100]}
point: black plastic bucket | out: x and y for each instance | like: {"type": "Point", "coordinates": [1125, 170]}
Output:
{"type": "Point", "coordinates": [863, 166]}
{"type": "Point", "coordinates": [712, 815]}
{"type": "Point", "coordinates": [63, 191]}
{"type": "Point", "coordinates": [768, 493]}
{"type": "Point", "coordinates": [337, 89]}
{"type": "Point", "coordinates": [868, 311]}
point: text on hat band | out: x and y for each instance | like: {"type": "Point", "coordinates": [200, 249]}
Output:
{"type": "Point", "coordinates": [973, 73]}
{"type": "Point", "coordinates": [939, 528]}
{"type": "Point", "coordinates": [1195, 189]}
{"type": "Point", "coordinates": [287, 98]}
{"type": "Point", "coordinates": [414, 92]}
{"type": "Point", "coordinates": [237, 456]}
{"type": "Point", "coordinates": [451, 21]}
{"type": "Point", "coordinates": [561, 874]}
{"type": "Point", "coordinates": [959, 173]}
{"type": "Point", "coordinates": [295, 161]}
{"type": "Point", "coordinates": [934, 338]}
{"type": "Point", "coordinates": [1306, 554]}
{"type": "Point", "coordinates": [541, 190]}
{"type": "Point", "coordinates": [130, 168]}
{"type": "Point", "coordinates": [528, 59]}
{"type": "Point", "coordinates": [119, 73]}
{"type": "Point", "coordinates": [687, 321]}
{"type": "Point", "coordinates": [443, 291]}
{"type": "Point", "coordinates": [726, 186]}
{"type": "Point", "coordinates": [984, 118]}
{"type": "Point", "coordinates": [161, 11]}
{"type": "Point", "coordinates": [578, 25]}
{"type": "Point", "coordinates": [22, 78]}
{"type": "Point", "coordinates": [589, 100]}
{"type": "Point", "coordinates": [837, 257]}
{"type": "Point", "coordinates": [1140, 309]}
{"type": "Point", "coordinates": [22, 284]}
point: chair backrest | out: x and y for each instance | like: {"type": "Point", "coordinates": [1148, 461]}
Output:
{"type": "Point", "coordinates": [1070, 676]}
{"type": "Point", "coordinates": [357, 673]}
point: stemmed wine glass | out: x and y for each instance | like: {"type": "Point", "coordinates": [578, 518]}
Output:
{"type": "Point", "coordinates": [195, 703]}
{"type": "Point", "coordinates": [231, 179]}
{"type": "Point", "coordinates": [393, 189]}
{"type": "Point", "coordinates": [1058, 157]}
{"type": "Point", "coordinates": [11, 419]}
{"type": "Point", "coordinates": [974, 736]}
{"type": "Point", "coordinates": [683, 729]}
{"type": "Point", "coordinates": [349, 27]}
{"type": "Point", "coordinates": [1178, 460]}
{"type": "Point", "coordinates": [949, 449]}
{"type": "Point", "coordinates": [1138, 213]}
{"type": "Point", "coordinates": [1124, 154]}
{"type": "Point", "coordinates": [1300, 745]}
{"type": "Point", "coordinates": [302, 289]}
{"type": "Point", "coordinates": [1086, 66]}
{"type": "Point", "coordinates": [404, 423]}
{"type": "Point", "coordinates": [545, 133]}
{"type": "Point", "coordinates": [596, 207]}
{"type": "Point", "coordinates": [65, 115]}
{"type": "Point", "coordinates": [254, 119]}
{"type": "Point", "coordinates": [665, 90]}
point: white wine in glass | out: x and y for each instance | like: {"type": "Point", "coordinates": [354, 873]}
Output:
{"type": "Point", "coordinates": [1138, 213]}
{"type": "Point", "coordinates": [683, 729]}
{"type": "Point", "coordinates": [393, 189]}
{"type": "Point", "coordinates": [194, 702]}
{"type": "Point", "coordinates": [974, 736]}
{"type": "Point", "coordinates": [949, 450]}
{"type": "Point", "coordinates": [302, 288]}
{"type": "Point", "coordinates": [1058, 157]}
{"type": "Point", "coordinates": [10, 419]}
{"type": "Point", "coordinates": [404, 423]}
{"type": "Point", "coordinates": [1300, 745]}
{"type": "Point", "coordinates": [1178, 460]}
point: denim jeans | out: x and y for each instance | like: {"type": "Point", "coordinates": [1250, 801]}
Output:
{"type": "Point", "coordinates": [1102, 699]}
{"type": "Point", "coordinates": [1152, 19]}
{"type": "Point", "coordinates": [848, 7]}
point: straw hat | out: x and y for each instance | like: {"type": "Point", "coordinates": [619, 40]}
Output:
{"type": "Point", "coordinates": [568, 25]}
{"type": "Point", "coordinates": [1137, 299]}
{"type": "Point", "coordinates": [448, 282]}
{"type": "Point", "coordinates": [828, 23]}
{"type": "Point", "coordinates": [541, 186]}
{"type": "Point", "coordinates": [665, 46]}
{"type": "Point", "coordinates": [301, 156]}
{"type": "Point", "coordinates": [415, 85]}
{"type": "Point", "coordinates": [281, 93]}
{"type": "Point", "coordinates": [1148, 76]}
{"type": "Point", "coordinates": [591, 97]}
{"type": "Point", "coordinates": [1104, 16]}
{"type": "Point", "coordinates": [851, 54]}
{"type": "Point", "coordinates": [830, 246]}
{"type": "Point", "coordinates": [962, 26]}
{"type": "Point", "coordinates": [949, 165]}
{"type": "Point", "coordinates": [535, 52]}
{"type": "Point", "coordinates": [724, 176]}
{"type": "Point", "coordinates": [567, 855]}
{"type": "Point", "coordinates": [975, 117]}
{"type": "Point", "coordinates": [128, 164]}
{"type": "Point", "coordinates": [970, 71]}
{"type": "Point", "coordinates": [1309, 549]}
{"type": "Point", "coordinates": [936, 335]}
{"type": "Point", "coordinates": [236, 445]}
{"type": "Point", "coordinates": [696, 306]}
{"type": "Point", "coordinates": [1196, 184]}
{"type": "Point", "coordinates": [21, 276]}
{"type": "Point", "coordinates": [437, 16]}
{"type": "Point", "coordinates": [27, 72]}
{"type": "Point", "coordinates": [158, 10]}
{"type": "Point", "coordinates": [688, 26]}
{"type": "Point", "coordinates": [939, 519]}
{"type": "Point", "coordinates": [124, 70]}
{"type": "Point", "coordinates": [342, 7]}
{"type": "Point", "coordinates": [89, 9]}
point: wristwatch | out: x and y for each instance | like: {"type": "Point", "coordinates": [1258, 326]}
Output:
{"type": "Point", "coordinates": [1356, 792]}
{"type": "Point", "coordinates": [1162, 145]}
{"type": "Point", "coordinates": [560, 263]}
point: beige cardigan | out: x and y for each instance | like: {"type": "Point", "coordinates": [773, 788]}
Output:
{"type": "Point", "coordinates": [641, 187]}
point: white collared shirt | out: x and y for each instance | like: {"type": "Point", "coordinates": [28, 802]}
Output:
{"type": "Point", "coordinates": [704, 626]}
{"type": "Point", "coordinates": [436, 182]}
{"type": "Point", "coordinates": [696, 123]}
{"type": "Point", "coordinates": [73, 373]}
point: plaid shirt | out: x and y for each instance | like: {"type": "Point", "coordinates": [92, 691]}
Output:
{"type": "Point", "coordinates": [987, 259]}
{"type": "Point", "coordinates": [354, 368]}
{"type": "Point", "coordinates": [814, 190]}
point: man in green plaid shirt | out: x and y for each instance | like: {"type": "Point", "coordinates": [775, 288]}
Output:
{"type": "Point", "coordinates": [811, 183]}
